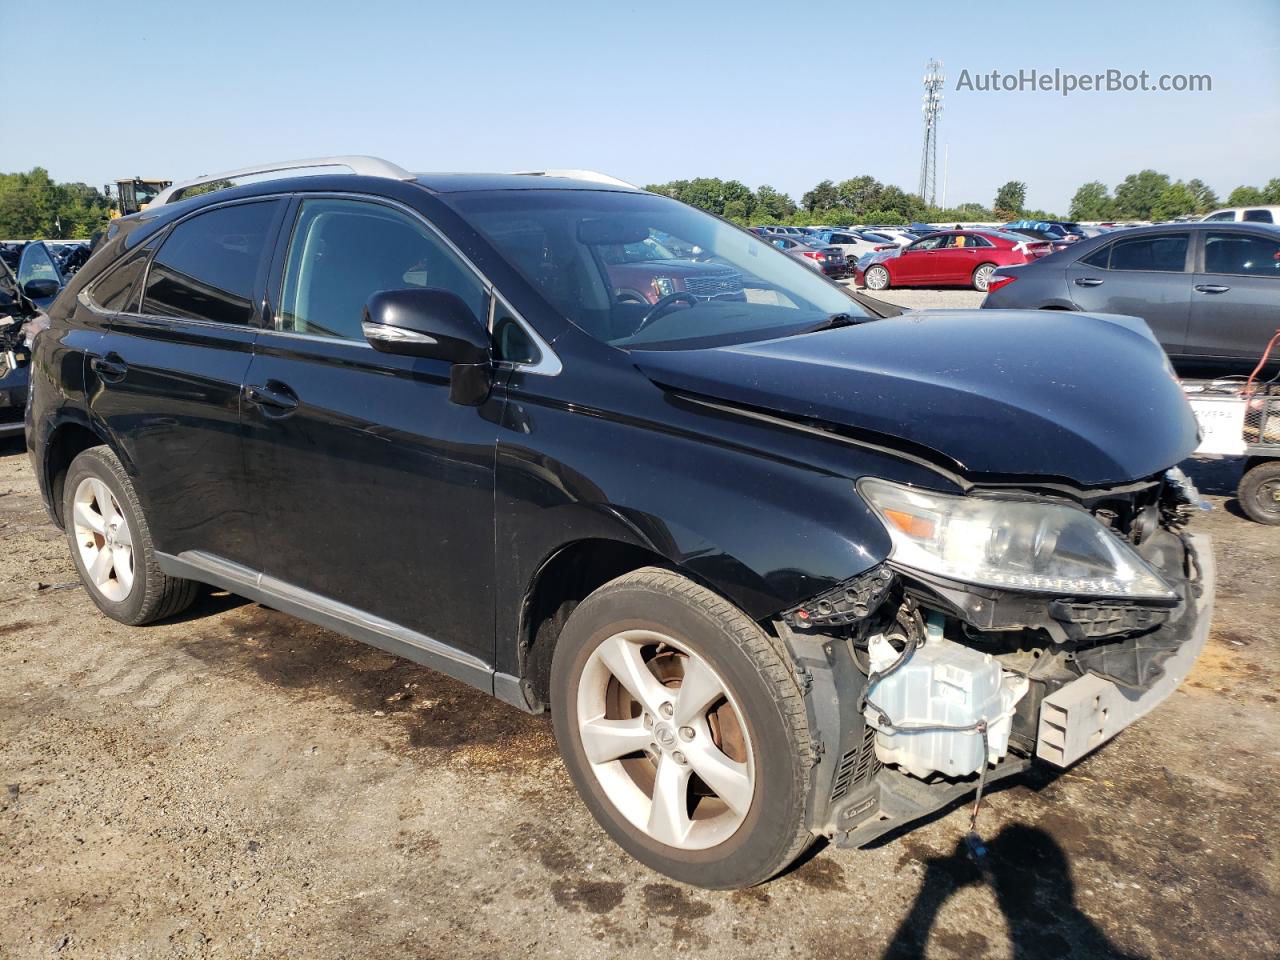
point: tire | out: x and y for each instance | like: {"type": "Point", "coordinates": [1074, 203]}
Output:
{"type": "Point", "coordinates": [881, 279]}
{"type": "Point", "coordinates": [754, 718]}
{"type": "Point", "coordinates": [100, 512]}
{"type": "Point", "coordinates": [982, 276]}
{"type": "Point", "coordinates": [1259, 492]}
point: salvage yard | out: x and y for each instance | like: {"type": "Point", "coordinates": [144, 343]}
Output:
{"type": "Point", "coordinates": [240, 784]}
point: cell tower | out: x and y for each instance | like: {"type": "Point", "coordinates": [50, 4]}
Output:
{"type": "Point", "coordinates": [932, 108]}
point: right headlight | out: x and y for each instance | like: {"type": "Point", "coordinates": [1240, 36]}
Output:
{"type": "Point", "coordinates": [1011, 544]}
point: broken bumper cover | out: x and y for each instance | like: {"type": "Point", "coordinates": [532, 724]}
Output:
{"type": "Point", "coordinates": [1088, 712]}
{"type": "Point", "coordinates": [1074, 720]}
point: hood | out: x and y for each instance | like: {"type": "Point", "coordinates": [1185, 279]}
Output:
{"type": "Point", "coordinates": [1009, 393]}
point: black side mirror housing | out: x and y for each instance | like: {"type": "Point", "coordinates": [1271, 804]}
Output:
{"type": "Point", "coordinates": [425, 322]}
{"type": "Point", "coordinates": [40, 289]}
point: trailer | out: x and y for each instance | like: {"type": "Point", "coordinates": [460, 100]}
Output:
{"type": "Point", "coordinates": [1241, 418]}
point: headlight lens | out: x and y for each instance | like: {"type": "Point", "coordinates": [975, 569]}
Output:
{"type": "Point", "coordinates": [1011, 544]}
{"type": "Point", "coordinates": [664, 286]}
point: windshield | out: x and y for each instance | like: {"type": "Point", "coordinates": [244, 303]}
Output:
{"type": "Point", "coordinates": [634, 269]}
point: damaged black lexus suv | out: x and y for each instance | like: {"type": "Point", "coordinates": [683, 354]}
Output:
{"type": "Point", "coordinates": [780, 566]}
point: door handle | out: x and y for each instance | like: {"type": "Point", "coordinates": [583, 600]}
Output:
{"type": "Point", "coordinates": [1211, 288]}
{"type": "Point", "coordinates": [110, 368]}
{"type": "Point", "coordinates": [278, 399]}
{"type": "Point", "coordinates": [1088, 282]}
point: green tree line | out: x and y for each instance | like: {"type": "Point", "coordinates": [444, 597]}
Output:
{"type": "Point", "coordinates": [1150, 195]}
{"type": "Point", "coordinates": [862, 199]}
{"type": "Point", "coordinates": [34, 207]}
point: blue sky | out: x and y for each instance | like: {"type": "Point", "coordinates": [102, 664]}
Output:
{"type": "Point", "coordinates": [764, 92]}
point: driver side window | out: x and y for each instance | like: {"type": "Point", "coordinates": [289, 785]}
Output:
{"type": "Point", "coordinates": [343, 251]}
{"type": "Point", "coordinates": [928, 243]}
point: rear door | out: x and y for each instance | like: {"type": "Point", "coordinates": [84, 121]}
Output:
{"type": "Point", "coordinates": [1235, 299]}
{"type": "Point", "coordinates": [1147, 275]}
{"type": "Point", "coordinates": [165, 380]}
{"type": "Point", "coordinates": [374, 491]}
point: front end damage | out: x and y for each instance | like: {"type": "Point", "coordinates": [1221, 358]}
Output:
{"type": "Point", "coordinates": [924, 689]}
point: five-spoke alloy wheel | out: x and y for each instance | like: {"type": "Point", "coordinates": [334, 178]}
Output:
{"type": "Point", "coordinates": [684, 729]}
{"type": "Point", "coordinates": [111, 542]}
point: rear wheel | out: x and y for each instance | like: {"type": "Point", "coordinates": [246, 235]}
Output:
{"type": "Point", "coordinates": [684, 730]}
{"type": "Point", "coordinates": [982, 277]}
{"type": "Point", "coordinates": [1259, 492]}
{"type": "Point", "coordinates": [111, 543]}
{"type": "Point", "coordinates": [876, 278]}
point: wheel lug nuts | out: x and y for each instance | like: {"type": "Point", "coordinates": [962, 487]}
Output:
{"type": "Point", "coordinates": [667, 709]}
{"type": "Point", "coordinates": [648, 721]}
{"type": "Point", "coordinates": [686, 733]}
{"type": "Point", "coordinates": [678, 757]}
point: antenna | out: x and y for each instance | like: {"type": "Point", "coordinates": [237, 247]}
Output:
{"type": "Point", "coordinates": [932, 109]}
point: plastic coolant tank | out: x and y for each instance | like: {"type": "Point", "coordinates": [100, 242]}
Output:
{"type": "Point", "coordinates": [942, 683]}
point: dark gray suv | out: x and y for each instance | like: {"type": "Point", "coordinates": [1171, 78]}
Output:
{"type": "Point", "coordinates": [1209, 291]}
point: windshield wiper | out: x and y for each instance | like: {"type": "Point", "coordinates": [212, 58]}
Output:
{"type": "Point", "coordinates": [839, 320]}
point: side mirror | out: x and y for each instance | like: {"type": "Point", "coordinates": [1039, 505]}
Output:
{"type": "Point", "coordinates": [423, 322]}
{"type": "Point", "coordinates": [40, 289]}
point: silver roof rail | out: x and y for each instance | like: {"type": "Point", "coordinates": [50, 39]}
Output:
{"type": "Point", "coordinates": [589, 175]}
{"type": "Point", "coordinates": [361, 166]}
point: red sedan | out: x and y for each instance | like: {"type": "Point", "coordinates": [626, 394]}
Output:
{"type": "Point", "coordinates": [964, 258]}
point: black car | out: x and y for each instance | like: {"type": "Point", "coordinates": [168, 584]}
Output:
{"type": "Point", "coordinates": [779, 568]}
{"type": "Point", "coordinates": [1209, 291]}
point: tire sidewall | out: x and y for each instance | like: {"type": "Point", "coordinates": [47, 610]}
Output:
{"type": "Point", "coordinates": [755, 850]}
{"type": "Point", "coordinates": [92, 464]}
{"type": "Point", "coordinates": [1250, 489]}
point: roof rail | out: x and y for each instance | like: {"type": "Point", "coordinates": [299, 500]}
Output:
{"type": "Point", "coordinates": [361, 166]}
{"type": "Point", "coordinates": [589, 175]}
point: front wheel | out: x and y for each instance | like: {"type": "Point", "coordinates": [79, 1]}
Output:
{"type": "Point", "coordinates": [982, 277]}
{"type": "Point", "coordinates": [876, 278]}
{"type": "Point", "coordinates": [1259, 492]}
{"type": "Point", "coordinates": [684, 729]}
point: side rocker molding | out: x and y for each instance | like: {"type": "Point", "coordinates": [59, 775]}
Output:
{"type": "Point", "coordinates": [346, 620]}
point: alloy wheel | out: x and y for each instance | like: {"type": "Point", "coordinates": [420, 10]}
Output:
{"type": "Point", "coordinates": [105, 541]}
{"type": "Point", "coordinates": [982, 279]}
{"type": "Point", "coordinates": [665, 740]}
{"type": "Point", "coordinates": [877, 278]}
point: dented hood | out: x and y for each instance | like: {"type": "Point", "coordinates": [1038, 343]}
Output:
{"type": "Point", "coordinates": [1071, 396]}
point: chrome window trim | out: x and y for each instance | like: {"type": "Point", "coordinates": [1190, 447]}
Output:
{"type": "Point", "coordinates": [548, 364]}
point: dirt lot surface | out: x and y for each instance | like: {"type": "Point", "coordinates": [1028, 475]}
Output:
{"type": "Point", "coordinates": [240, 784]}
{"type": "Point", "coordinates": [926, 298]}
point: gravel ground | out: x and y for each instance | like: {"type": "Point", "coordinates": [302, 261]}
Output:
{"type": "Point", "coordinates": [923, 298]}
{"type": "Point", "coordinates": [240, 784]}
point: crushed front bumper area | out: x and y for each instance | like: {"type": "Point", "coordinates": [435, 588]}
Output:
{"type": "Point", "coordinates": [859, 798]}
{"type": "Point", "coordinates": [1087, 712]}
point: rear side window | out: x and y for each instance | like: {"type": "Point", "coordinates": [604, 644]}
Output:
{"type": "Point", "coordinates": [1100, 257]}
{"type": "Point", "coordinates": [208, 266]}
{"type": "Point", "coordinates": [1165, 254]}
{"type": "Point", "coordinates": [343, 251]}
{"type": "Point", "coordinates": [115, 291]}
{"type": "Point", "coordinates": [1241, 254]}
{"type": "Point", "coordinates": [1258, 216]}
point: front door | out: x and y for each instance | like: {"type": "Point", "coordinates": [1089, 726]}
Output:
{"type": "Point", "coordinates": [1235, 296]}
{"type": "Point", "coordinates": [373, 489]}
{"type": "Point", "coordinates": [166, 377]}
{"type": "Point", "coordinates": [1147, 276]}
{"type": "Point", "coordinates": [916, 263]}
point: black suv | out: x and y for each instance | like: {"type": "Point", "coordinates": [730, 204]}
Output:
{"type": "Point", "coordinates": [780, 568]}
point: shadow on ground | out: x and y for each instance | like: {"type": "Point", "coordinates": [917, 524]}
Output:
{"type": "Point", "coordinates": [1031, 878]}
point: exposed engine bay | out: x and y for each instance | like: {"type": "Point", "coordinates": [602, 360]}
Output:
{"type": "Point", "coordinates": [959, 684]}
